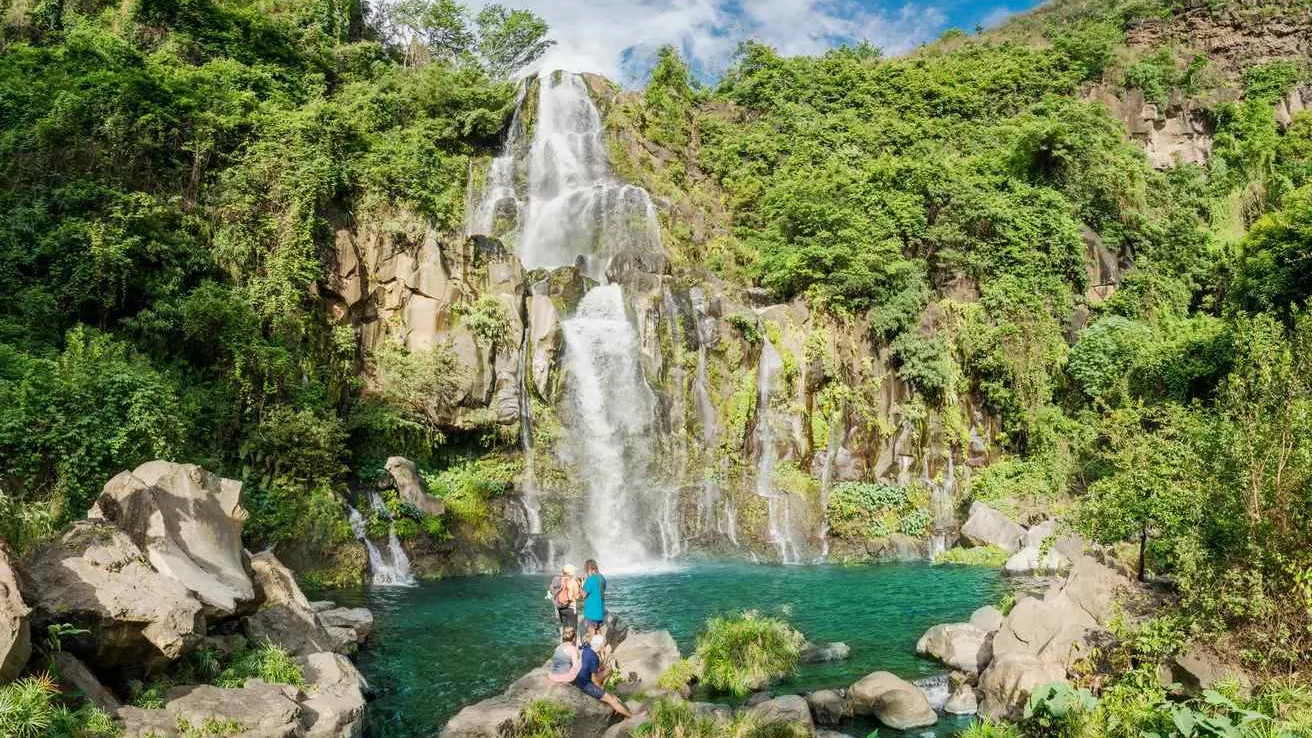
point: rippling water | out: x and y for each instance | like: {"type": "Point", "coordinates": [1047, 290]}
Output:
{"type": "Point", "coordinates": [441, 645]}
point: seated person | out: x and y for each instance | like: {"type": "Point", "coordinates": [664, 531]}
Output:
{"type": "Point", "coordinates": [565, 662]}
{"type": "Point", "coordinates": [582, 667]}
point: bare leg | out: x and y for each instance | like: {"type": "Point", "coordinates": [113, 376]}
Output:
{"type": "Point", "coordinates": [616, 705]}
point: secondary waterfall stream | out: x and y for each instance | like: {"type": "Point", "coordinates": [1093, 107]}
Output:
{"type": "Point", "coordinates": [390, 569]}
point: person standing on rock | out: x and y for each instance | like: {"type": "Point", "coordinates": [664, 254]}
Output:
{"type": "Point", "coordinates": [594, 597]}
{"type": "Point", "coordinates": [565, 592]}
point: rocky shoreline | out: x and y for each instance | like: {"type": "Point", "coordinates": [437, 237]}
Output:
{"type": "Point", "coordinates": [156, 574]}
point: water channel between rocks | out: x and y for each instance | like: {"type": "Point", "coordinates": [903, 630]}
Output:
{"type": "Point", "coordinates": [441, 645]}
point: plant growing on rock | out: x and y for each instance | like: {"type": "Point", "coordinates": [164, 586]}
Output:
{"type": "Point", "coordinates": [744, 652]}
{"type": "Point", "coordinates": [267, 662]}
{"type": "Point", "coordinates": [540, 719]}
{"type": "Point", "coordinates": [28, 710]}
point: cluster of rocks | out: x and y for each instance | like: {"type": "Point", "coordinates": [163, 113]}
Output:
{"type": "Point", "coordinates": [1041, 548]}
{"type": "Point", "coordinates": [1000, 660]}
{"type": "Point", "coordinates": [642, 657]}
{"type": "Point", "coordinates": [156, 572]}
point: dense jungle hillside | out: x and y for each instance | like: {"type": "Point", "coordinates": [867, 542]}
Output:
{"type": "Point", "coordinates": [1076, 248]}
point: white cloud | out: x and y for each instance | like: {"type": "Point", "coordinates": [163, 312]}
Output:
{"type": "Point", "coordinates": [605, 36]}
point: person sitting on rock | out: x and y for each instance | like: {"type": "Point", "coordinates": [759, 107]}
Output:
{"type": "Point", "coordinates": [592, 675]}
{"type": "Point", "coordinates": [565, 661]}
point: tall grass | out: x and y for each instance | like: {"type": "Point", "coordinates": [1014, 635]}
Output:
{"type": "Point", "coordinates": [266, 662]}
{"type": "Point", "coordinates": [744, 652]}
{"type": "Point", "coordinates": [28, 710]}
{"type": "Point", "coordinates": [678, 719]}
{"type": "Point", "coordinates": [540, 719]}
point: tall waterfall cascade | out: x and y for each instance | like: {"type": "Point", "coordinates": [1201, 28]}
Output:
{"type": "Point", "coordinates": [555, 198]}
{"type": "Point", "coordinates": [613, 415]}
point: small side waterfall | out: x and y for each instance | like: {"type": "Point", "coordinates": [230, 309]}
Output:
{"type": "Point", "coordinates": [779, 509]}
{"type": "Point", "coordinates": [941, 503]}
{"type": "Point", "coordinates": [611, 413]}
{"type": "Point", "coordinates": [388, 570]}
{"type": "Point", "coordinates": [837, 432]}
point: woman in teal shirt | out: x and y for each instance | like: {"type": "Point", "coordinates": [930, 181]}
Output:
{"type": "Point", "coordinates": [594, 596]}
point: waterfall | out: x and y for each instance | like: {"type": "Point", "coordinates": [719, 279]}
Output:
{"type": "Point", "coordinates": [779, 509]}
{"type": "Point", "coordinates": [936, 688]}
{"type": "Point", "coordinates": [559, 200]}
{"type": "Point", "coordinates": [837, 432]}
{"type": "Point", "coordinates": [392, 569]}
{"type": "Point", "coordinates": [941, 504]}
{"type": "Point", "coordinates": [532, 508]}
{"type": "Point", "coordinates": [611, 413]}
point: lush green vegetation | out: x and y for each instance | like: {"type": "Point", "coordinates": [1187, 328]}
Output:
{"type": "Point", "coordinates": [744, 652]}
{"type": "Point", "coordinates": [29, 708]}
{"type": "Point", "coordinates": [963, 201]}
{"type": "Point", "coordinates": [541, 719]}
{"type": "Point", "coordinates": [678, 719]}
{"type": "Point", "coordinates": [172, 177]}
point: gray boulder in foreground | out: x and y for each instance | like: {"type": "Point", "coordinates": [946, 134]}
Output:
{"type": "Point", "coordinates": [987, 618]}
{"type": "Point", "coordinates": [897, 703]}
{"type": "Point", "coordinates": [15, 628]}
{"type": "Point", "coordinates": [287, 619]}
{"type": "Point", "coordinates": [262, 710]}
{"type": "Point", "coordinates": [820, 653]}
{"type": "Point", "coordinates": [959, 645]}
{"type": "Point", "coordinates": [93, 576]}
{"type": "Point", "coordinates": [643, 657]}
{"type": "Point", "coordinates": [830, 706]}
{"type": "Point", "coordinates": [484, 719]}
{"type": "Point", "coordinates": [988, 527]}
{"type": "Point", "coordinates": [334, 706]}
{"type": "Point", "coordinates": [188, 522]}
{"type": "Point", "coordinates": [788, 709]}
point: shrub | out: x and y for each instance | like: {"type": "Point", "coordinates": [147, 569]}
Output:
{"type": "Point", "coordinates": [990, 556]}
{"type": "Point", "coordinates": [984, 728]}
{"type": "Point", "coordinates": [28, 710]}
{"type": "Point", "coordinates": [540, 719]}
{"type": "Point", "coordinates": [669, 719]}
{"type": "Point", "coordinates": [858, 509]}
{"type": "Point", "coordinates": [267, 662]}
{"type": "Point", "coordinates": [743, 652]}
{"type": "Point", "coordinates": [1058, 710]}
{"type": "Point", "coordinates": [916, 523]}
{"type": "Point", "coordinates": [677, 676]}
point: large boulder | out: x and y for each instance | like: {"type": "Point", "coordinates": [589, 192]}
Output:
{"type": "Point", "coordinates": [93, 576]}
{"type": "Point", "coordinates": [962, 701]}
{"type": "Point", "coordinates": [897, 703]}
{"type": "Point", "coordinates": [1009, 680]}
{"type": "Point", "coordinates": [188, 522]}
{"type": "Point", "coordinates": [959, 645]}
{"type": "Point", "coordinates": [405, 476]}
{"type": "Point", "coordinates": [1033, 560]}
{"type": "Point", "coordinates": [643, 657]}
{"type": "Point", "coordinates": [261, 711]}
{"type": "Point", "coordinates": [334, 706]}
{"type": "Point", "coordinates": [15, 630]}
{"type": "Point", "coordinates": [987, 618]}
{"type": "Point", "coordinates": [1037, 534]}
{"type": "Point", "coordinates": [1054, 629]}
{"type": "Point", "coordinates": [830, 706]}
{"type": "Point", "coordinates": [75, 676]}
{"type": "Point", "coordinates": [357, 619]}
{"type": "Point", "coordinates": [988, 527]}
{"type": "Point", "coordinates": [1094, 588]}
{"type": "Point", "coordinates": [820, 653]}
{"type": "Point", "coordinates": [1200, 667]}
{"type": "Point", "coordinates": [484, 719]}
{"type": "Point", "coordinates": [788, 709]}
{"type": "Point", "coordinates": [287, 618]}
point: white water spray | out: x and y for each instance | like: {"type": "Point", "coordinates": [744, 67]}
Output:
{"type": "Point", "coordinates": [392, 569]}
{"type": "Point", "coordinates": [779, 509]}
{"type": "Point", "coordinates": [559, 200]}
{"type": "Point", "coordinates": [611, 415]}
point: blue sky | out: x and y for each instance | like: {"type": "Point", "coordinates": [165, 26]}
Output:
{"type": "Point", "coordinates": [617, 37]}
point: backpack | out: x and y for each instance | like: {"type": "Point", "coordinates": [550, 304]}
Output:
{"type": "Point", "coordinates": [557, 584]}
{"type": "Point", "coordinates": [562, 594]}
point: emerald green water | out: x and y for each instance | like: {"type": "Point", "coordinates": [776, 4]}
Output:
{"type": "Point", "coordinates": [441, 645]}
